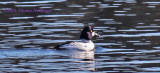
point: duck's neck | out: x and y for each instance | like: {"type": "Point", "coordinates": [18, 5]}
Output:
{"type": "Point", "coordinates": [86, 41]}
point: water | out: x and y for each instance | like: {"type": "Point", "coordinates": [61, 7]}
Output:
{"type": "Point", "coordinates": [129, 32]}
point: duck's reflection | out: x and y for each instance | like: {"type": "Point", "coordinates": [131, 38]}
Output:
{"type": "Point", "coordinates": [86, 61]}
{"type": "Point", "coordinates": [89, 55]}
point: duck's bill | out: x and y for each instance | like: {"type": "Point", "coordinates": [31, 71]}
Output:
{"type": "Point", "coordinates": [95, 34]}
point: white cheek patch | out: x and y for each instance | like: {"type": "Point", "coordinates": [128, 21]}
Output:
{"type": "Point", "coordinates": [93, 33]}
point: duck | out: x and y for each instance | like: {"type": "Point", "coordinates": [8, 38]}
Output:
{"type": "Point", "coordinates": [85, 43]}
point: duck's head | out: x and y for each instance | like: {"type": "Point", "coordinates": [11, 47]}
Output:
{"type": "Point", "coordinates": [88, 33]}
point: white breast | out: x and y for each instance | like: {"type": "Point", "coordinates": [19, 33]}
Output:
{"type": "Point", "coordinates": [84, 45]}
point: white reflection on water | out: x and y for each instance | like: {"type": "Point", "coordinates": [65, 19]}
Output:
{"type": "Point", "coordinates": [131, 35]}
{"type": "Point", "coordinates": [151, 69]}
{"type": "Point", "coordinates": [83, 59]}
{"type": "Point", "coordinates": [87, 61]}
{"type": "Point", "coordinates": [60, 15]}
{"type": "Point", "coordinates": [33, 2]}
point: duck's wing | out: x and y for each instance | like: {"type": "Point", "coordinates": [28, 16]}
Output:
{"type": "Point", "coordinates": [58, 47]}
{"type": "Point", "coordinates": [70, 45]}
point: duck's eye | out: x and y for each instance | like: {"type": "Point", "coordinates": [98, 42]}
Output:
{"type": "Point", "coordinates": [91, 31]}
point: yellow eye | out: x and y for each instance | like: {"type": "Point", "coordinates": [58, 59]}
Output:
{"type": "Point", "coordinates": [91, 31]}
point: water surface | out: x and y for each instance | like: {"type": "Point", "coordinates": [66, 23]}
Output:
{"type": "Point", "coordinates": [129, 32]}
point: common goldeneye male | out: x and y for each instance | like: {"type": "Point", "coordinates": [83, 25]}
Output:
{"type": "Point", "coordinates": [86, 44]}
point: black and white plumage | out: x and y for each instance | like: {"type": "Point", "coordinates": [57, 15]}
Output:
{"type": "Point", "coordinates": [86, 44]}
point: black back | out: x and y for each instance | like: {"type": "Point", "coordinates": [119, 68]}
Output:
{"type": "Point", "coordinates": [57, 47]}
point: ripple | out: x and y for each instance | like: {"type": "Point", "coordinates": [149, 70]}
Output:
{"type": "Point", "coordinates": [105, 44]}
{"type": "Point", "coordinates": [55, 24]}
{"type": "Point", "coordinates": [127, 1]}
{"type": "Point", "coordinates": [133, 41]}
{"type": "Point", "coordinates": [149, 51]}
{"type": "Point", "coordinates": [57, 35]}
{"type": "Point", "coordinates": [120, 11]}
{"type": "Point", "coordinates": [107, 6]}
{"type": "Point", "coordinates": [40, 2]}
{"type": "Point", "coordinates": [26, 5]}
{"type": "Point", "coordinates": [129, 35]}
{"type": "Point", "coordinates": [31, 2]}
{"type": "Point", "coordinates": [151, 69]}
{"type": "Point", "coordinates": [95, 2]}
{"type": "Point", "coordinates": [105, 19]}
{"type": "Point", "coordinates": [147, 26]}
{"type": "Point", "coordinates": [75, 6]}
{"type": "Point", "coordinates": [90, 5]}
{"type": "Point", "coordinates": [125, 15]}
{"type": "Point", "coordinates": [135, 62]}
{"type": "Point", "coordinates": [8, 2]}
{"type": "Point", "coordinates": [141, 43]}
{"type": "Point", "coordinates": [152, 2]}
{"type": "Point", "coordinates": [21, 17]}
{"type": "Point", "coordinates": [112, 22]}
{"type": "Point", "coordinates": [24, 53]}
{"type": "Point", "coordinates": [60, 15]}
{"type": "Point", "coordinates": [134, 30]}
